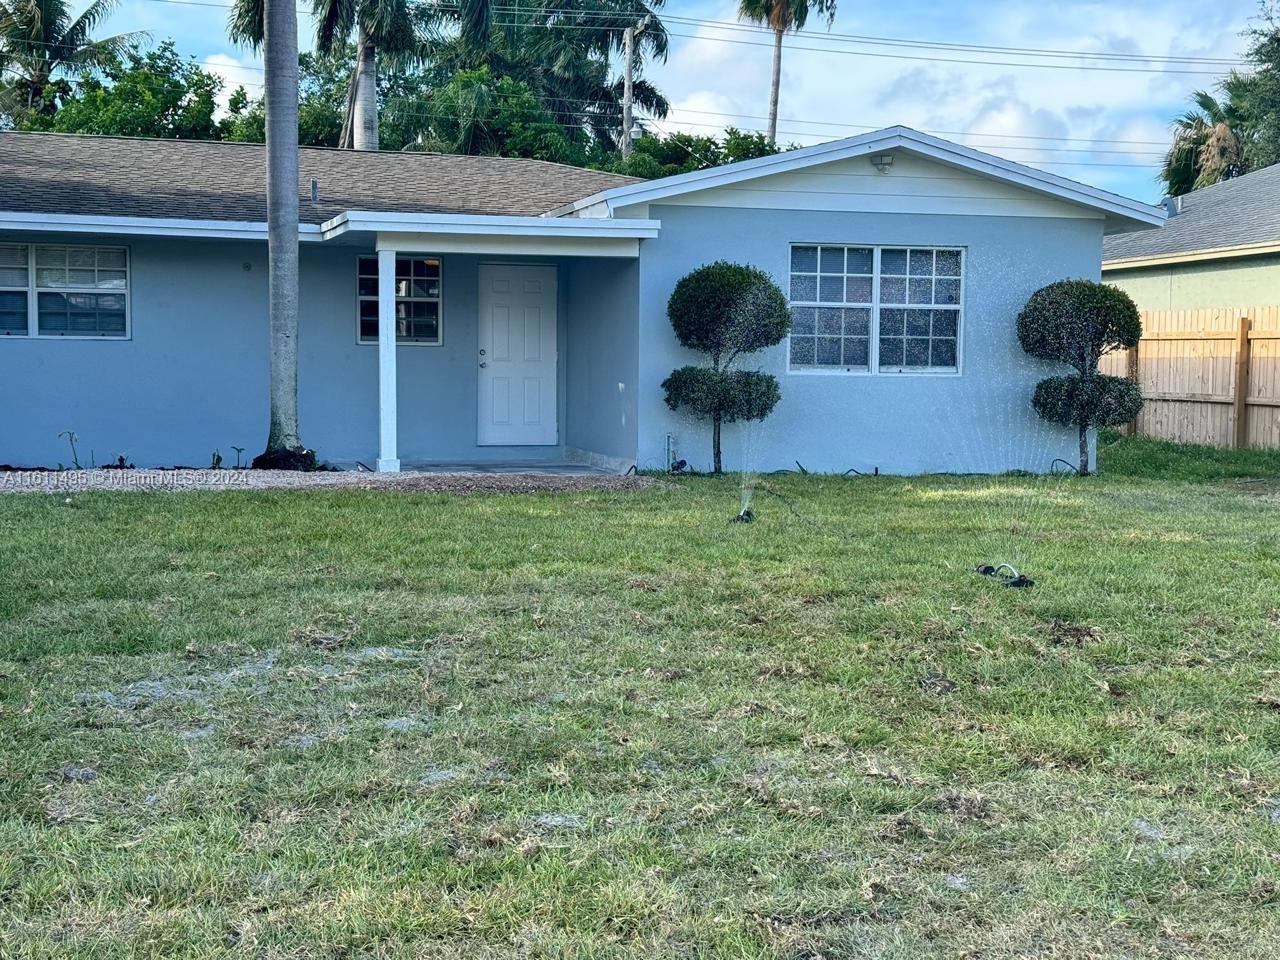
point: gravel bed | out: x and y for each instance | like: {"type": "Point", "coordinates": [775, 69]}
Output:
{"type": "Point", "coordinates": [72, 481]}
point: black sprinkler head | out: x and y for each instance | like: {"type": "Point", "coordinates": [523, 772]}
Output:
{"type": "Point", "coordinates": [1020, 582]}
{"type": "Point", "coordinates": [746, 516]}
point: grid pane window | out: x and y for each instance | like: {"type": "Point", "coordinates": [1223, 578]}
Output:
{"type": "Point", "coordinates": [417, 289]}
{"type": "Point", "coordinates": [831, 289]}
{"type": "Point", "coordinates": [906, 299]}
{"type": "Point", "coordinates": [75, 290]}
{"type": "Point", "coordinates": [919, 308]}
{"type": "Point", "coordinates": [81, 314]}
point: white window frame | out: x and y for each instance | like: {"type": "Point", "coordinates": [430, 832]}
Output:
{"type": "Point", "coordinates": [873, 356]}
{"type": "Point", "coordinates": [24, 290]}
{"type": "Point", "coordinates": [439, 341]}
{"type": "Point", "coordinates": [33, 292]}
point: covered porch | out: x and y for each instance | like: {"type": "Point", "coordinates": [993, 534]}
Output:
{"type": "Point", "coordinates": [503, 344]}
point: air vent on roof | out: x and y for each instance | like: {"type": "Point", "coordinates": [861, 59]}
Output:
{"type": "Point", "coordinates": [1173, 206]}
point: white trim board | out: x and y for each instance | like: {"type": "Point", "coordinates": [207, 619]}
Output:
{"type": "Point", "coordinates": [1122, 213]}
{"type": "Point", "coordinates": [145, 226]}
{"type": "Point", "coordinates": [438, 224]}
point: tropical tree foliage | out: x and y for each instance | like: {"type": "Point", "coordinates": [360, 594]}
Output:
{"type": "Point", "coordinates": [564, 52]}
{"type": "Point", "coordinates": [782, 17]}
{"type": "Point", "coordinates": [662, 156]}
{"type": "Point", "coordinates": [1235, 129]}
{"type": "Point", "coordinates": [42, 42]}
{"type": "Point", "coordinates": [142, 94]}
{"type": "Point", "coordinates": [1213, 141]}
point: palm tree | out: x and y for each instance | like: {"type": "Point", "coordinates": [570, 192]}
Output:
{"type": "Point", "coordinates": [273, 26]}
{"type": "Point", "coordinates": [564, 51]}
{"type": "Point", "coordinates": [782, 16]}
{"type": "Point", "coordinates": [1212, 142]}
{"type": "Point", "coordinates": [40, 38]}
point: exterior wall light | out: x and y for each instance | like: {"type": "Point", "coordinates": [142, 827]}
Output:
{"type": "Point", "coordinates": [882, 162]}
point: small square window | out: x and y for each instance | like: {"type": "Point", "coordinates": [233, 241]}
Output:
{"type": "Point", "coordinates": [860, 260]}
{"type": "Point", "coordinates": [857, 322]}
{"type": "Point", "coordinates": [893, 290]}
{"type": "Point", "coordinates": [893, 263]}
{"type": "Point", "coordinates": [920, 290]}
{"type": "Point", "coordinates": [921, 263]}
{"type": "Point", "coordinates": [804, 289]}
{"type": "Point", "coordinates": [857, 352]}
{"type": "Point", "coordinates": [804, 259]}
{"type": "Point", "coordinates": [890, 351]}
{"type": "Point", "coordinates": [857, 290]}
{"type": "Point", "coordinates": [417, 299]}
{"type": "Point", "coordinates": [802, 320]}
{"type": "Point", "coordinates": [829, 351]}
{"type": "Point", "coordinates": [831, 289]}
{"type": "Point", "coordinates": [948, 263]}
{"type": "Point", "coordinates": [802, 350]}
{"type": "Point", "coordinates": [830, 321]}
{"type": "Point", "coordinates": [831, 260]}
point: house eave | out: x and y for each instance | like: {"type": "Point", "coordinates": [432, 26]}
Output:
{"type": "Point", "coordinates": [488, 226]}
{"type": "Point", "coordinates": [1191, 256]}
{"type": "Point", "coordinates": [145, 226]}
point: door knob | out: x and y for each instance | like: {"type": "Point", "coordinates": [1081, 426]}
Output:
{"type": "Point", "coordinates": [483, 364]}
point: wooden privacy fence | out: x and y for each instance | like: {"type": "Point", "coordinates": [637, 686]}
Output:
{"type": "Point", "coordinates": [1207, 376]}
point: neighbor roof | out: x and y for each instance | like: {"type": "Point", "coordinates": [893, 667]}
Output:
{"type": "Point", "coordinates": [203, 180]}
{"type": "Point", "coordinates": [1244, 212]}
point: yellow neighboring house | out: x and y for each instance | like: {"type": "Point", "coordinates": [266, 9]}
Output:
{"type": "Point", "coordinates": [1220, 247]}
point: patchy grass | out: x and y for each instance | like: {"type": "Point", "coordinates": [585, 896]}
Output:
{"type": "Point", "coordinates": [340, 724]}
{"type": "Point", "coordinates": [1162, 460]}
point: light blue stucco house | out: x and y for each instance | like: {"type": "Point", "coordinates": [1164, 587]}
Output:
{"type": "Point", "coordinates": [466, 309]}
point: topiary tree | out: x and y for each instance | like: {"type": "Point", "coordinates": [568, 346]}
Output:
{"type": "Point", "coordinates": [726, 310]}
{"type": "Point", "coordinates": [1075, 322]}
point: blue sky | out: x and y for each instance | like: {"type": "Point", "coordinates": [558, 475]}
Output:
{"type": "Point", "coordinates": [841, 89]}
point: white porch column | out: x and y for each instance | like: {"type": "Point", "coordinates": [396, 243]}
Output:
{"type": "Point", "coordinates": [388, 457]}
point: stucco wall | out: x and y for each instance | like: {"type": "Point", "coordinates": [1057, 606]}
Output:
{"type": "Point", "coordinates": [193, 376]}
{"type": "Point", "coordinates": [602, 357]}
{"type": "Point", "coordinates": [979, 420]}
{"type": "Point", "coordinates": [1247, 282]}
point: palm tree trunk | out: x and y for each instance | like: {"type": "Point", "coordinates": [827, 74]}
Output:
{"type": "Point", "coordinates": [365, 119]}
{"type": "Point", "coordinates": [1084, 451]}
{"type": "Point", "coordinates": [280, 44]}
{"type": "Point", "coordinates": [777, 81]}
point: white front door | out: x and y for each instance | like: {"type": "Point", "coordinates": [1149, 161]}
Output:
{"type": "Point", "coordinates": [517, 354]}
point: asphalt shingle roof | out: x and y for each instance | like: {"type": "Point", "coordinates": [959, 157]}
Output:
{"type": "Point", "coordinates": [1233, 213]}
{"type": "Point", "coordinates": [201, 180]}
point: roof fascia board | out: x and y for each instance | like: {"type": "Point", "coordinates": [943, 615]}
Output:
{"type": "Point", "coordinates": [1191, 256]}
{"type": "Point", "coordinates": [489, 226]}
{"type": "Point", "coordinates": [146, 226]}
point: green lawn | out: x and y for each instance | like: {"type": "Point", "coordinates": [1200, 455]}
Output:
{"type": "Point", "coordinates": [348, 724]}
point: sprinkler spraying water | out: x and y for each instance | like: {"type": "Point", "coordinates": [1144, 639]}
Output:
{"type": "Point", "coordinates": [1007, 574]}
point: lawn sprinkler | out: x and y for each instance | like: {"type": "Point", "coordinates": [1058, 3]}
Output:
{"type": "Point", "coordinates": [747, 515]}
{"type": "Point", "coordinates": [1007, 574]}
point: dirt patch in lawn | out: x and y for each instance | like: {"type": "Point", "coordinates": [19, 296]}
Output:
{"type": "Point", "coordinates": [81, 481]}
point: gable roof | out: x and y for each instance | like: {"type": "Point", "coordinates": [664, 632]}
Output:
{"type": "Point", "coordinates": [1239, 213]}
{"type": "Point", "coordinates": [211, 180]}
{"type": "Point", "coordinates": [1121, 213]}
